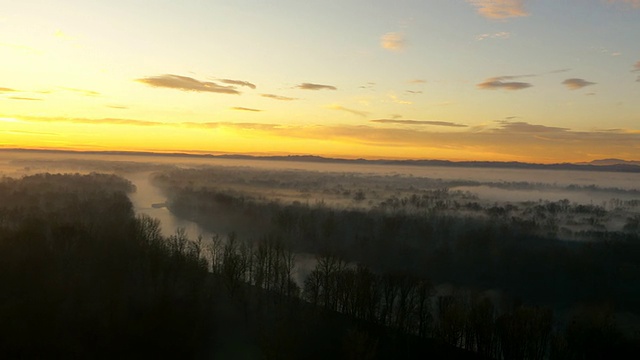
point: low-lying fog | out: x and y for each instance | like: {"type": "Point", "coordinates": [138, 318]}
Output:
{"type": "Point", "coordinates": [377, 182]}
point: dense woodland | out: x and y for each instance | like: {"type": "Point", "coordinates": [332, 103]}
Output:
{"type": "Point", "coordinates": [82, 277]}
{"type": "Point", "coordinates": [410, 273]}
{"type": "Point", "coordinates": [521, 283]}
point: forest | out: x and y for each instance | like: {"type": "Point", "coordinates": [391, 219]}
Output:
{"type": "Point", "coordinates": [401, 267]}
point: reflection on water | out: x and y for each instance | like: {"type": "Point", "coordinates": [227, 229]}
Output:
{"type": "Point", "coordinates": [146, 195]}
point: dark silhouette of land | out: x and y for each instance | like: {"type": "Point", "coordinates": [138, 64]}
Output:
{"type": "Point", "coordinates": [404, 269]}
{"type": "Point", "coordinates": [610, 165]}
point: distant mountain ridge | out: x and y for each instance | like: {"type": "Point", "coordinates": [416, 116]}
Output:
{"type": "Point", "coordinates": [607, 162]}
{"type": "Point", "coordinates": [607, 165]}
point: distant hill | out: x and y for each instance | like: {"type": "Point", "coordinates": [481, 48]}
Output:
{"type": "Point", "coordinates": [607, 165]}
{"type": "Point", "coordinates": [609, 162]}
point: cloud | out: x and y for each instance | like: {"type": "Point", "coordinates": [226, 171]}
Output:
{"type": "Point", "coordinates": [185, 83]}
{"type": "Point", "coordinates": [4, 89]}
{"type": "Point", "coordinates": [500, 83]}
{"type": "Point", "coordinates": [24, 98]}
{"type": "Point", "coordinates": [369, 85]}
{"type": "Point", "coordinates": [238, 82]}
{"type": "Point", "coordinates": [100, 121]}
{"type": "Point", "coordinates": [575, 84]}
{"type": "Point", "coordinates": [498, 35]}
{"type": "Point", "coordinates": [351, 111]}
{"type": "Point", "coordinates": [524, 127]}
{"type": "Point", "coordinates": [500, 9]}
{"type": "Point", "coordinates": [559, 71]}
{"type": "Point", "coordinates": [392, 41]}
{"type": "Point", "coordinates": [418, 122]}
{"type": "Point", "coordinates": [245, 109]}
{"type": "Point", "coordinates": [399, 101]}
{"type": "Point", "coordinates": [413, 92]}
{"type": "Point", "coordinates": [310, 86]}
{"type": "Point", "coordinates": [22, 132]}
{"type": "Point", "coordinates": [417, 81]}
{"type": "Point", "coordinates": [638, 78]}
{"type": "Point", "coordinates": [117, 106]}
{"type": "Point", "coordinates": [636, 66]}
{"type": "Point", "coordinates": [82, 91]}
{"type": "Point", "coordinates": [506, 141]}
{"type": "Point", "coordinates": [278, 97]}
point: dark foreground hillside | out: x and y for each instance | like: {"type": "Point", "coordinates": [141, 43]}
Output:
{"type": "Point", "coordinates": [82, 277]}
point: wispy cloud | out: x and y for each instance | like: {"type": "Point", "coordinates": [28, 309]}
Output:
{"type": "Point", "coordinates": [419, 122]}
{"type": "Point", "coordinates": [82, 91]}
{"type": "Point", "coordinates": [135, 122]}
{"type": "Point", "coordinates": [239, 108]}
{"type": "Point", "coordinates": [506, 141]}
{"type": "Point", "coordinates": [6, 90]}
{"type": "Point", "coordinates": [24, 98]}
{"type": "Point", "coordinates": [90, 121]}
{"type": "Point", "coordinates": [417, 81]}
{"type": "Point", "coordinates": [393, 41]}
{"type": "Point", "coordinates": [559, 71]}
{"type": "Point", "coordinates": [413, 92]}
{"type": "Point", "coordinates": [524, 127]}
{"type": "Point", "coordinates": [501, 83]}
{"type": "Point", "coordinates": [396, 100]}
{"type": "Point", "coordinates": [311, 86]}
{"type": "Point", "coordinates": [23, 132]}
{"type": "Point", "coordinates": [350, 111]}
{"type": "Point", "coordinates": [238, 82]}
{"type": "Point", "coordinates": [500, 9]}
{"type": "Point", "coordinates": [278, 97]}
{"type": "Point", "coordinates": [369, 85]}
{"type": "Point", "coordinates": [575, 83]}
{"type": "Point", "coordinates": [185, 83]}
{"type": "Point", "coordinates": [636, 66]}
{"type": "Point", "coordinates": [117, 107]}
{"type": "Point", "coordinates": [498, 35]}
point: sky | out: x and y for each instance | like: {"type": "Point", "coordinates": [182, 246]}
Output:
{"type": "Point", "coordinates": [542, 81]}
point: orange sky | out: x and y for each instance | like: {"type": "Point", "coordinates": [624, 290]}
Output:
{"type": "Point", "coordinates": [522, 80]}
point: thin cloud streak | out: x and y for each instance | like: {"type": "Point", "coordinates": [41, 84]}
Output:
{"type": "Point", "coordinates": [575, 83]}
{"type": "Point", "coordinates": [24, 98]}
{"type": "Point", "coordinates": [419, 122]}
{"type": "Point", "coordinates": [239, 108]}
{"type": "Point", "coordinates": [500, 83]}
{"type": "Point", "coordinates": [311, 86]}
{"type": "Point", "coordinates": [500, 9]}
{"type": "Point", "coordinates": [82, 91]}
{"type": "Point", "coordinates": [238, 82]}
{"type": "Point", "coordinates": [186, 83]}
{"type": "Point", "coordinates": [4, 90]}
{"type": "Point", "coordinates": [278, 97]}
{"type": "Point", "coordinates": [524, 127]}
{"type": "Point", "coordinates": [508, 139]}
{"type": "Point", "coordinates": [351, 111]}
{"type": "Point", "coordinates": [499, 35]}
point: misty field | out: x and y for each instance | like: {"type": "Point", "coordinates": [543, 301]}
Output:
{"type": "Point", "coordinates": [371, 261]}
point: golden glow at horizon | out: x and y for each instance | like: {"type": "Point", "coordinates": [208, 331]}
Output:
{"type": "Point", "coordinates": [69, 82]}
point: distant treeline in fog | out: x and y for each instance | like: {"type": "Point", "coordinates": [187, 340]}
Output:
{"type": "Point", "coordinates": [519, 263]}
